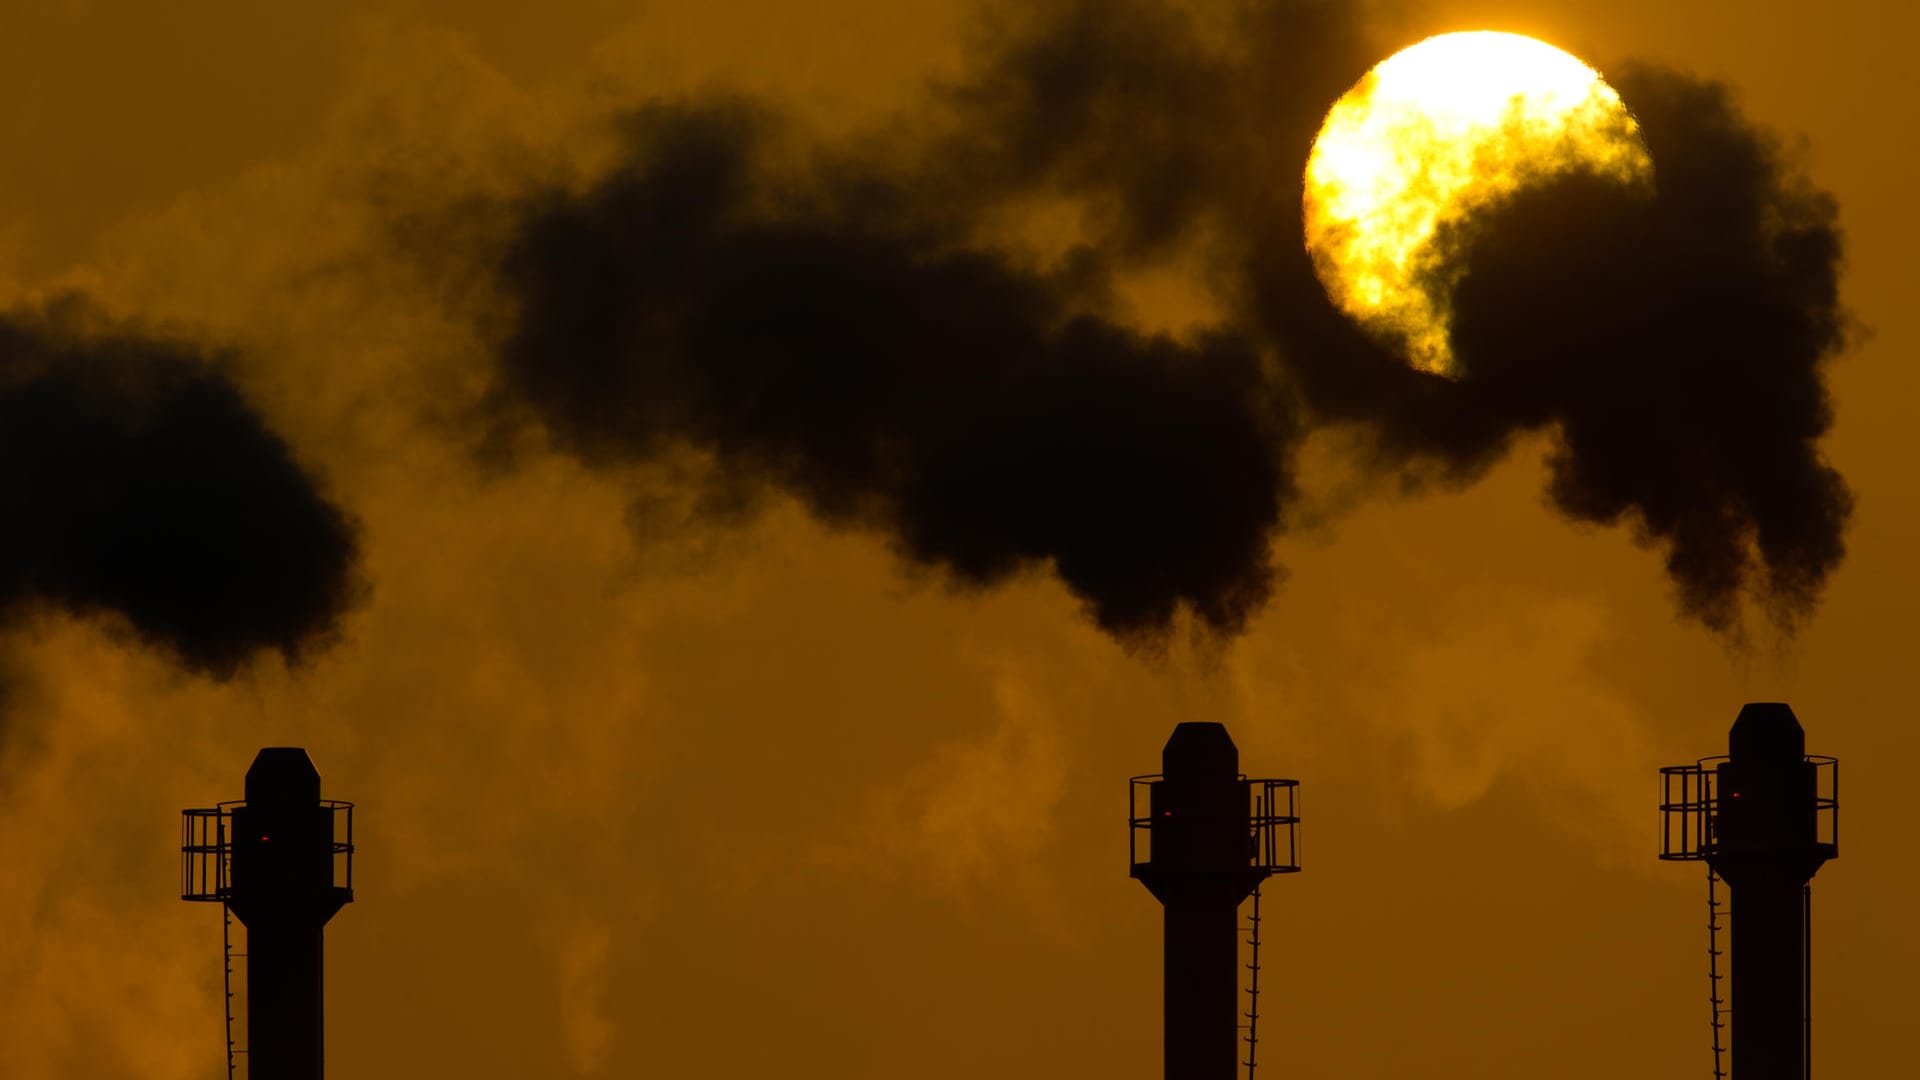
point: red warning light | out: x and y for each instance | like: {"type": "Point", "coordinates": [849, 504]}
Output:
{"type": "Point", "coordinates": [264, 839]}
{"type": "Point", "coordinates": [1166, 813]}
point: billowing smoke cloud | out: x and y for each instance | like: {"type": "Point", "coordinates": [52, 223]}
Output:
{"type": "Point", "coordinates": [136, 481]}
{"type": "Point", "coordinates": [1684, 344]}
{"type": "Point", "coordinates": [1673, 344]}
{"type": "Point", "coordinates": [844, 325]}
{"type": "Point", "coordinates": [843, 344]}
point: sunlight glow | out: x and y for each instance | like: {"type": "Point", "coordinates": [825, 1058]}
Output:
{"type": "Point", "coordinates": [1451, 125]}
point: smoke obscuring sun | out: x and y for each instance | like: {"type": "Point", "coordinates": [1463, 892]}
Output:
{"type": "Point", "coordinates": [1447, 127]}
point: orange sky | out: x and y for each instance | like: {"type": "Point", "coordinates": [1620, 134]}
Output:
{"type": "Point", "coordinates": [757, 800]}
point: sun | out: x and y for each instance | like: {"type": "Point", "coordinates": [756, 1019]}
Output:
{"type": "Point", "coordinates": [1454, 124]}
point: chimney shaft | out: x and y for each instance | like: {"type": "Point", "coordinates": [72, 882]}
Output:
{"type": "Point", "coordinates": [270, 860]}
{"type": "Point", "coordinates": [1765, 847]}
{"type": "Point", "coordinates": [1203, 861]}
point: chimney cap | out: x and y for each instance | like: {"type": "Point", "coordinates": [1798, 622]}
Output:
{"type": "Point", "coordinates": [1766, 729]}
{"type": "Point", "coordinates": [283, 776]}
{"type": "Point", "coordinates": [1200, 750]}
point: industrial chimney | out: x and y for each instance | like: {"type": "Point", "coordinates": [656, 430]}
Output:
{"type": "Point", "coordinates": [281, 861]}
{"type": "Point", "coordinates": [1763, 818]}
{"type": "Point", "coordinates": [1211, 837]}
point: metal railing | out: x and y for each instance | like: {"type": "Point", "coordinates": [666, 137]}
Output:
{"type": "Point", "coordinates": [1689, 803]}
{"type": "Point", "coordinates": [206, 849]}
{"type": "Point", "coordinates": [1276, 813]}
{"type": "Point", "coordinates": [1273, 823]}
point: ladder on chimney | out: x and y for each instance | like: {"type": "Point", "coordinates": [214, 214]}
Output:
{"type": "Point", "coordinates": [1252, 1037]}
{"type": "Point", "coordinates": [1716, 911]}
{"type": "Point", "coordinates": [1806, 982]}
{"type": "Point", "coordinates": [235, 1054]}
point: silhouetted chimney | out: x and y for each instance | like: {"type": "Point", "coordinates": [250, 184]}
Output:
{"type": "Point", "coordinates": [281, 861]}
{"type": "Point", "coordinates": [1212, 836]}
{"type": "Point", "coordinates": [1764, 818]}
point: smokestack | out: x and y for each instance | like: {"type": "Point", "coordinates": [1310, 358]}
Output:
{"type": "Point", "coordinates": [1212, 837]}
{"type": "Point", "coordinates": [1764, 818]}
{"type": "Point", "coordinates": [282, 863]}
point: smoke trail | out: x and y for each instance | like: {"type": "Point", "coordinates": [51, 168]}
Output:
{"type": "Point", "coordinates": [1684, 343]}
{"type": "Point", "coordinates": [135, 480]}
{"type": "Point", "coordinates": [838, 345]}
{"type": "Point", "coordinates": [846, 329]}
{"type": "Point", "coordinates": [1674, 346]}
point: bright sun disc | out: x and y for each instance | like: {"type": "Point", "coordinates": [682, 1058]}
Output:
{"type": "Point", "coordinates": [1452, 125]}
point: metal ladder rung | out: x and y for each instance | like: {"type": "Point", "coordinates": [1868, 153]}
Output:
{"type": "Point", "coordinates": [1251, 1027]}
{"type": "Point", "coordinates": [1721, 1010]}
{"type": "Point", "coordinates": [234, 1052]}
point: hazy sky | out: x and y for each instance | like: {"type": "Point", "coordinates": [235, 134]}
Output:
{"type": "Point", "coordinates": [642, 789]}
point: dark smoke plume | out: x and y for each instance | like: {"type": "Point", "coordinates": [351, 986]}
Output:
{"type": "Point", "coordinates": [844, 346]}
{"type": "Point", "coordinates": [847, 329]}
{"type": "Point", "coordinates": [1673, 344]}
{"type": "Point", "coordinates": [135, 480]}
{"type": "Point", "coordinates": [1684, 341]}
